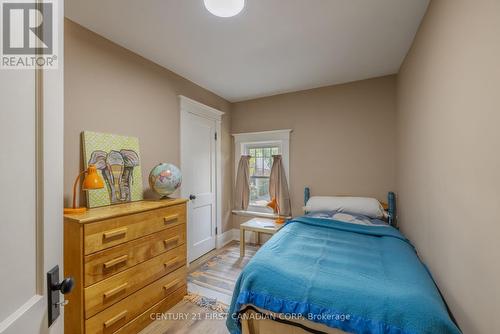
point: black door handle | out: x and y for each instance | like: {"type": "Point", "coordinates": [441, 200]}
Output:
{"type": "Point", "coordinates": [192, 197]}
{"type": "Point", "coordinates": [66, 286]}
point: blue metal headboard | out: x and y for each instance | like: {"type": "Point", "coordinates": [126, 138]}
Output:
{"type": "Point", "coordinates": [391, 202]}
{"type": "Point", "coordinates": [307, 195]}
{"type": "Point", "coordinates": [391, 199]}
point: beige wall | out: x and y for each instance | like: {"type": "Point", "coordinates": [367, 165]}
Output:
{"type": "Point", "coordinates": [343, 139]}
{"type": "Point", "coordinates": [110, 89]}
{"type": "Point", "coordinates": [449, 155]}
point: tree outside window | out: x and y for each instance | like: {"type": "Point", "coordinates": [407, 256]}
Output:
{"type": "Point", "coordinates": [261, 162]}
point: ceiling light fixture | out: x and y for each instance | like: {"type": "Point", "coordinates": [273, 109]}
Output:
{"type": "Point", "coordinates": [224, 8]}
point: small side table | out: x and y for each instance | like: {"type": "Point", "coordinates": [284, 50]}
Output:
{"type": "Point", "coordinates": [257, 225]}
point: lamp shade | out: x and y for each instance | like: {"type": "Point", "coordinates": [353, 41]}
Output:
{"type": "Point", "coordinates": [92, 179]}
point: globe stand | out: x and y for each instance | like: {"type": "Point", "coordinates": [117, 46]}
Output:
{"type": "Point", "coordinates": [165, 197]}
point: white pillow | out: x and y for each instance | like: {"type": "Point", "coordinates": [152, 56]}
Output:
{"type": "Point", "coordinates": [356, 205]}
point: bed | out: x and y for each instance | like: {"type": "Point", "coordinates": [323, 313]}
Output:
{"type": "Point", "coordinates": [322, 273]}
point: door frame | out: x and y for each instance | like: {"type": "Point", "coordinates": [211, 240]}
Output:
{"type": "Point", "coordinates": [188, 105]}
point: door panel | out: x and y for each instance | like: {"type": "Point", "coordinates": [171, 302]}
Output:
{"type": "Point", "coordinates": [198, 165]}
{"type": "Point", "coordinates": [202, 215]}
{"type": "Point", "coordinates": [200, 151]}
{"type": "Point", "coordinates": [18, 202]}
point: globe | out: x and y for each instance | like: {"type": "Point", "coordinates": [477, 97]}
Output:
{"type": "Point", "coordinates": [165, 178]}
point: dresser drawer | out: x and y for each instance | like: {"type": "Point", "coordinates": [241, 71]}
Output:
{"type": "Point", "coordinates": [113, 289]}
{"type": "Point", "coordinates": [114, 317]}
{"type": "Point", "coordinates": [139, 323]}
{"type": "Point", "coordinates": [108, 262]}
{"type": "Point", "coordinates": [111, 232]}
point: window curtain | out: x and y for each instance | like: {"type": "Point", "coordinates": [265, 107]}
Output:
{"type": "Point", "coordinates": [278, 186]}
{"type": "Point", "coordinates": [242, 191]}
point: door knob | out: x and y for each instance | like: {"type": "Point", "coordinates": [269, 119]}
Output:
{"type": "Point", "coordinates": [66, 286]}
{"type": "Point", "coordinates": [192, 197]}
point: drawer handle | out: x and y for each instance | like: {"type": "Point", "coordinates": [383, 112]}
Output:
{"type": "Point", "coordinates": [115, 262]}
{"type": "Point", "coordinates": [170, 219]}
{"type": "Point", "coordinates": [171, 240]}
{"type": "Point", "coordinates": [171, 263]}
{"type": "Point", "coordinates": [121, 232]}
{"type": "Point", "coordinates": [115, 291]}
{"type": "Point", "coordinates": [115, 319]}
{"type": "Point", "coordinates": [171, 285]}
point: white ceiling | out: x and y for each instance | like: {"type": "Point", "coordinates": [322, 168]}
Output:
{"type": "Point", "coordinates": [272, 47]}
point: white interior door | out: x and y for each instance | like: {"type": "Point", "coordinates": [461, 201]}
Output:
{"type": "Point", "coordinates": [199, 182]}
{"type": "Point", "coordinates": [31, 200]}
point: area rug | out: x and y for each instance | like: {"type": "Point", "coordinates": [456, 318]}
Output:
{"type": "Point", "coordinates": [211, 284]}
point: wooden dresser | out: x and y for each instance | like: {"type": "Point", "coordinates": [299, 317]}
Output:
{"type": "Point", "coordinates": [128, 261]}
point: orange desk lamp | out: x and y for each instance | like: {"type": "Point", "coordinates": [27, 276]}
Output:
{"type": "Point", "coordinates": [276, 209]}
{"type": "Point", "coordinates": [91, 181]}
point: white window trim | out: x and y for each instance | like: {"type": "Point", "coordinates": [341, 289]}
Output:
{"type": "Point", "coordinates": [279, 137]}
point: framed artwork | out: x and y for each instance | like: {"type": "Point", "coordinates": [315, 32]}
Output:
{"type": "Point", "coordinates": [117, 159]}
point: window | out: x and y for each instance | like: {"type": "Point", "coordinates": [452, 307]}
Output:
{"type": "Point", "coordinates": [261, 162]}
{"type": "Point", "coordinates": [261, 146]}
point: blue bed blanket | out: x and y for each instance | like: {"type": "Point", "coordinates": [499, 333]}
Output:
{"type": "Point", "coordinates": [360, 279]}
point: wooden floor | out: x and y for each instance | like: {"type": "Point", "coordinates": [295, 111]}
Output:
{"type": "Point", "coordinates": [187, 317]}
{"type": "Point", "coordinates": [196, 320]}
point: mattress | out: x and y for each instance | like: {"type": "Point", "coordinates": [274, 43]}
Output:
{"type": "Point", "coordinates": [355, 278]}
{"type": "Point", "coordinates": [258, 321]}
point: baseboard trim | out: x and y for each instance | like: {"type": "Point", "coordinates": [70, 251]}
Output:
{"type": "Point", "coordinates": [225, 238]}
{"type": "Point", "coordinates": [234, 235]}
{"type": "Point", "coordinates": [250, 237]}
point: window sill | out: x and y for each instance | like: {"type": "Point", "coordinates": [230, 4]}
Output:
{"type": "Point", "coordinates": [246, 213]}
